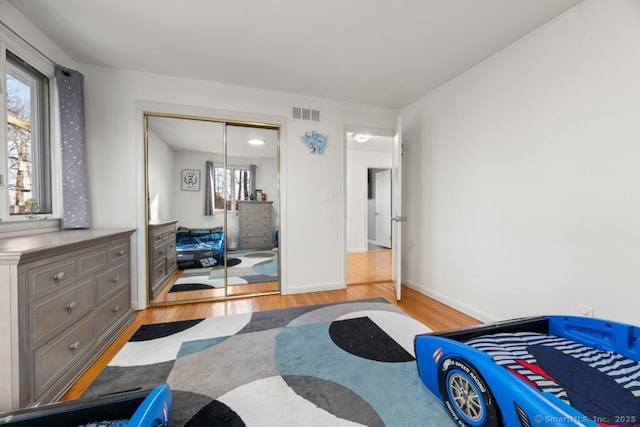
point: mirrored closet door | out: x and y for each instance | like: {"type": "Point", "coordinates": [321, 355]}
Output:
{"type": "Point", "coordinates": [212, 208]}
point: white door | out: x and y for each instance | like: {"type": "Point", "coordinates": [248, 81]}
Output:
{"type": "Point", "coordinates": [383, 208]}
{"type": "Point", "coordinates": [396, 210]}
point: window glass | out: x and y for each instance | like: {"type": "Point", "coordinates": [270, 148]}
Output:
{"type": "Point", "coordinates": [28, 176]}
{"type": "Point", "coordinates": [231, 185]}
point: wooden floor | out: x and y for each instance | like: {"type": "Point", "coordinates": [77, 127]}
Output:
{"type": "Point", "coordinates": [432, 313]}
{"type": "Point", "coordinates": [369, 267]}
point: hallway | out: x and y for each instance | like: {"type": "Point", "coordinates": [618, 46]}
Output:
{"type": "Point", "coordinates": [369, 267]}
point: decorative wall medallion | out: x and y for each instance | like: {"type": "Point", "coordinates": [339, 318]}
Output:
{"type": "Point", "coordinates": [317, 142]}
{"type": "Point", "coordinates": [190, 179]}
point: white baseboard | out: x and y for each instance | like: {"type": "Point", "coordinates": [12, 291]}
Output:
{"type": "Point", "coordinates": [317, 287]}
{"type": "Point", "coordinates": [357, 250]}
{"type": "Point", "coordinates": [451, 302]}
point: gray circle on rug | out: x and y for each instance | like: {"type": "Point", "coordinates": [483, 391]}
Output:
{"type": "Point", "coordinates": [335, 399]}
{"type": "Point", "coordinates": [260, 255]}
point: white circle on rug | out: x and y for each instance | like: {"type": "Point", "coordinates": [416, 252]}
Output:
{"type": "Point", "coordinates": [271, 402]}
{"type": "Point", "coordinates": [401, 327]}
{"type": "Point", "coordinates": [136, 353]}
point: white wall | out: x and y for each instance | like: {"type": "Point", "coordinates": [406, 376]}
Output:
{"type": "Point", "coordinates": [312, 185]}
{"type": "Point", "coordinates": [162, 182]}
{"type": "Point", "coordinates": [522, 174]}
{"type": "Point", "coordinates": [358, 161]}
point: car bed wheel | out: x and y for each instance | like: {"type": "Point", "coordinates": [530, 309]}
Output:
{"type": "Point", "coordinates": [466, 395]}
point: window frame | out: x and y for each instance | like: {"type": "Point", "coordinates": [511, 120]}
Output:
{"type": "Point", "coordinates": [49, 161]}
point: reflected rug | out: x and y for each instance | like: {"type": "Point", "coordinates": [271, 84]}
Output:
{"type": "Point", "coordinates": [243, 268]}
{"type": "Point", "coordinates": [346, 364]}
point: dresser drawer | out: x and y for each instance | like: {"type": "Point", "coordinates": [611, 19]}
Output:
{"type": "Point", "coordinates": [256, 217]}
{"type": "Point", "coordinates": [91, 262]}
{"type": "Point", "coordinates": [53, 314]}
{"type": "Point", "coordinates": [170, 246]}
{"type": "Point", "coordinates": [159, 271]}
{"type": "Point", "coordinates": [254, 208]}
{"type": "Point", "coordinates": [255, 241]}
{"type": "Point", "coordinates": [52, 360]}
{"type": "Point", "coordinates": [169, 232]}
{"type": "Point", "coordinates": [112, 280]}
{"type": "Point", "coordinates": [119, 252]}
{"type": "Point", "coordinates": [51, 276]}
{"type": "Point", "coordinates": [255, 232]}
{"type": "Point", "coordinates": [110, 311]}
{"type": "Point", "coordinates": [159, 251]}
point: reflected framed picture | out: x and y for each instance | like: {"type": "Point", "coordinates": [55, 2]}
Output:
{"type": "Point", "coordinates": [190, 180]}
{"type": "Point", "coordinates": [258, 195]}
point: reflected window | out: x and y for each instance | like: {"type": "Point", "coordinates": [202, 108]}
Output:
{"type": "Point", "coordinates": [231, 185]}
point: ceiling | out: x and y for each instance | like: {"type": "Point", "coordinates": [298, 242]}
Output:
{"type": "Point", "coordinates": [203, 136]}
{"type": "Point", "coordinates": [378, 52]}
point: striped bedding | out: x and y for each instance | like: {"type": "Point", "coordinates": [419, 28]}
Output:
{"type": "Point", "coordinates": [545, 362]}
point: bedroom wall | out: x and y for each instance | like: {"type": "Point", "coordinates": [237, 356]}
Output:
{"type": "Point", "coordinates": [162, 185]}
{"type": "Point", "coordinates": [521, 175]}
{"type": "Point", "coordinates": [313, 186]}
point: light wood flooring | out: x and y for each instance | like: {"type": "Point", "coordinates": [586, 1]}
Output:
{"type": "Point", "coordinates": [432, 313]}
{"type": "Point", "coordinates": [369, 267]}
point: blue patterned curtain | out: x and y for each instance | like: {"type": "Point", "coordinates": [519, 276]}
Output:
{"type": "Point", "coordinates": [75, 188]}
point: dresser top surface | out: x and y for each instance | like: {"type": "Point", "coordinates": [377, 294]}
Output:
{"type": "Point", "coordinates": [33, 243]}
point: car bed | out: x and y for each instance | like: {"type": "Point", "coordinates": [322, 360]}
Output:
{"type": "Point", "coordinates": [199, 247]}
{"type": "Point", "coordinates": [139, 408]}
{"type": "Point", "coordinates": [547, 370]}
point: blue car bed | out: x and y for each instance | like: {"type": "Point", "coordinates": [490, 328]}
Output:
{"type": "Point", "coordinates": [538, 371]}
{"type": "Point", "coordinates": [141, 408]}
{"type": "Point", "coordinates": [199, 247]}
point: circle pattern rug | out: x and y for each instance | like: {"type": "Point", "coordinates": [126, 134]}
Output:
{"type": "Point", "coordinates": [345, 364]}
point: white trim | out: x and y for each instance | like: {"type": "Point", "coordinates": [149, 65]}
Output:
{"type": "Point", "coordinates": [317, 287]}
{"type": "Point", "coordinates": [451, 302]}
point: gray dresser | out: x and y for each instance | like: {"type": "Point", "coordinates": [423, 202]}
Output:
{"type": "Point", "coordinates": [72, 299]}
{"type": "Point", "coordinates": [256, 229]}
{"type": "Point", "coordinates": [162, 254]}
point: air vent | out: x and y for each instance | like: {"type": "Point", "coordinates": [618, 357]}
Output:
{"type": "Point", "coordinates": [306, 114]}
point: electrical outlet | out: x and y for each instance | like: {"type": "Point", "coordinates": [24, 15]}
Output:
{"type": "Point", "coordinates": [585, 310]}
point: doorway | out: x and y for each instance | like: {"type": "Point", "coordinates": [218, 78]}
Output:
{"type": "Point", "coordinates": [369, 161]}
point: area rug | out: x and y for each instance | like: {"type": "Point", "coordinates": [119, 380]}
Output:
{"type": "Point", "coordinates": [345, 364]}
{"type": "Point", "coordinates": [242, 268]}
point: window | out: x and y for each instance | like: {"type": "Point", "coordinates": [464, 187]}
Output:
{"type": "Point", "coordinates": [28, 166]}
{"type": "Point", "coordinates": [231, 185]}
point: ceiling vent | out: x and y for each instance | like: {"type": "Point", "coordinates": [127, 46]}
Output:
{"type": "Point", "coordinates": [306, 114]}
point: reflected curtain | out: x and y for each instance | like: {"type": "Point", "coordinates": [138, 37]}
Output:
{"type": "Point", "coordinates": [252, 184]}
{"type": "Point", "coordinates": [75, 187]}
{"type": "Point", "coordinates": [209, 197]}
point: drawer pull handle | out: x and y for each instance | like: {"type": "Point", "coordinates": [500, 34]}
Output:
{"type": "Point", "coordinates": [116, 279]}
{"type": "Point", "coordinates": [115, 309]}
{"type": "Point", "coordinates": [71, 305]}
{"type": "Point", "coordinates": [58, 277]}
{"type": "Point", "coordinates": [121, 252]}
{"type": "Point", "coordinates": [75, 345]}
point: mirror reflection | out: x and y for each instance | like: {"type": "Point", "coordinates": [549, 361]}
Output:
{"type": "Point", "coordinates": [213, 209]}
